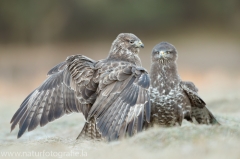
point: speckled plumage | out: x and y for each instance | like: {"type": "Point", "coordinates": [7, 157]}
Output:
{"type": "Point", "coordinates": [123, 101]}
{"type": "Point", "coordinates": [172, 99]}
{"type": "Point", "coordinates": [111, 93]}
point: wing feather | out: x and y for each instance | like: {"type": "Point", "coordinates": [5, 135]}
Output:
{"type": "Point", "coordinates": [68, 88]}
{"type": "Point", "coordinates": [195, 100]}
{"type": "Point", "coordinates": [122, 102]}
{"type": "Point", "coordinates": [27, 120]}
{"type": "Point", "coordinates": [46, 108]}
{"type": "Point", "coordinates": [199, 110]}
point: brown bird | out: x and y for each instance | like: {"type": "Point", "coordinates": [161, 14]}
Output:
{"type": "Point", "coordinates": [172, 99]}
{"type": "Point", "coordinates": [112, 93]}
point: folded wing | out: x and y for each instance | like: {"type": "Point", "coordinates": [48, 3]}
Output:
{"type": "Point", "coordinates": [198, 110]}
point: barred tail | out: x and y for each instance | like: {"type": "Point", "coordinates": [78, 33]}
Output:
{"type": "Point", "coordinates": [90, 131]}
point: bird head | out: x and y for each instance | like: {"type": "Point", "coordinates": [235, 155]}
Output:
{"type": "Point", "coordinates": [164, 53]}
{"type": "Point", "coordinates": [128, 41]}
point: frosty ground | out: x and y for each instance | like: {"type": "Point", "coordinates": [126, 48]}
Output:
{"type": "Point", "coordinates": [187, 141]}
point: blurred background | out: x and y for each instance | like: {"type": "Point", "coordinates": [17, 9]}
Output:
{"type": "Point", "coordinates": [36, 35]}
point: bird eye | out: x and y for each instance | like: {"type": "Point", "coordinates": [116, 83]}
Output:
{"type": "Point", "coordinates": [131, 41]}
{"type": "Point", "coordinates": [157, 52]}
{"type": "Point", "coordinates": [168, 52]}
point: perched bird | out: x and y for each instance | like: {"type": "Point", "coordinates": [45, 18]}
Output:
{"type": "Point", "coordinates": [112, 93]}
{"type": "Point", "coordinates": [172, 99]}
{"type": "Point", "coordinates": [123, 102]}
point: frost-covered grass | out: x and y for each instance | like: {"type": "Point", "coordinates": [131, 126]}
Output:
{"type": "Point", "coordinates": [188, 141]}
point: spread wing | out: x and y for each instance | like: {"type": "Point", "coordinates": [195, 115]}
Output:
{"type": "Point", "coordinates": [199, 110]}
{"type": "Point", "coordinates": [123, 102]}
{"type": "Point", "coordinates": [68, 88]}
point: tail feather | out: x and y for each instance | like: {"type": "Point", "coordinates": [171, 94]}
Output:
{"type": "Point", "coordinates": [90, 131]}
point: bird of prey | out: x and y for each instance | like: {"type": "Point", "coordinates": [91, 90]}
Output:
{"type": "Point", "coordinates": [112, 93]}
{"type": "Point", "coordinates": [172, 99]}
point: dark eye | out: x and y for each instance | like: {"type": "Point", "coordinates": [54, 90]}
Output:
{"type": "Point", "coordinates": [157, 52]}
{"type": "Point", "coordinates": [168, 52]}
{"type": "Point", "coordinates": [131, 41]}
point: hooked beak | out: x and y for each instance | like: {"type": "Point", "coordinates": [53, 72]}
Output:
{"type": "Point", "coordinates": [138, 44]}
{"type": "Point", "coordinates": [162, 54]}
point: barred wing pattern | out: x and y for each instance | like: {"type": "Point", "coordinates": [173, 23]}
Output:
{"type": "Point", "coordinates": [57, 95]}
{"type": "Point", "coordinates": [195, 100]}
{"type": "Point", "coordinates": [123, 102]}
{"type": "Point", "coordinates": [198, 110]}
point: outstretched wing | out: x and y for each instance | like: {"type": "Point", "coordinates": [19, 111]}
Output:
{"type": "Point", "coordinates": [68, 88]}
{"type": "Point", "coordinates": [198, 110]}
{"type": "Point", "coordinates": [123, 102]}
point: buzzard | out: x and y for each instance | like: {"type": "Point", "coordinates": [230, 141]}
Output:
{"type": "Point", "coordinates": [172, 99]}
{"type": "Point", "coordinates": [111, 93]}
